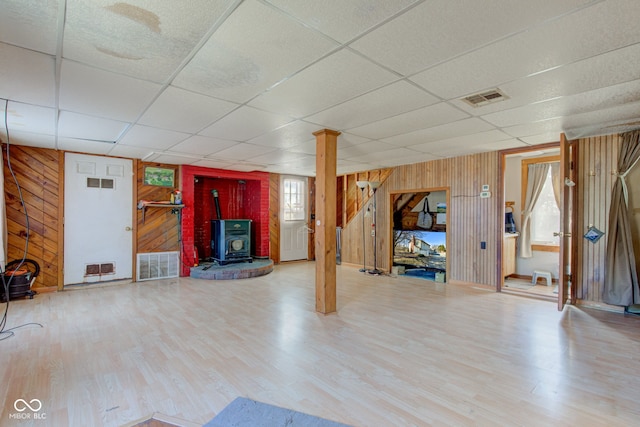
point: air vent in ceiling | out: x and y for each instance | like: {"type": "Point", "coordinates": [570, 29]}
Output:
{"type": "Point", "coordinates": [484, 98]}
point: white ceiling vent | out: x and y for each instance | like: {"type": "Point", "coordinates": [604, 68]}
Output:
{"type": "Point", "coordinates": [479, 99]}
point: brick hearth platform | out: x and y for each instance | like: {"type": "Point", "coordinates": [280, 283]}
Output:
{"type": "Point", "coordinates": [238, 270]}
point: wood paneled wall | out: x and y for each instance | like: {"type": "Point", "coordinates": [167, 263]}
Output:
{"type": "Point", "coordinates": [159, 232]}
{"type": "Point", "coordinates": [471, 219]}
{"type": "Point", "coordinates": [274, 217]}
{"type": "Point", "coordinates": [596, 174]}
{"type": "Point", "coordinates": [38, 172]}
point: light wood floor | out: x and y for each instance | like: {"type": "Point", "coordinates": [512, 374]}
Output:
{"type": "Point", "coordinates": [399, 352]}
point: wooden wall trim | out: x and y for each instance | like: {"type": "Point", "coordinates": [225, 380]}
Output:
{"type": "Point", "coordinates": [274, 217]}
{"type": "Point", "coordinates": [60, 239]}
{"type": "Point", "coordinates": [134, 225]}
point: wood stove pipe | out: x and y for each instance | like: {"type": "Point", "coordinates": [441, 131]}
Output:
{"type": "Point", "coordinates": [217, 203]}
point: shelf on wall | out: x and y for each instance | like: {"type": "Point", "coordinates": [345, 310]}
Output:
{"type": "Point", "coordinates": [174, 208]}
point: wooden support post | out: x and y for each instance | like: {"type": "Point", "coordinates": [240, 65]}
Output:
{"type": "Point", "coordinates": [325, 235]}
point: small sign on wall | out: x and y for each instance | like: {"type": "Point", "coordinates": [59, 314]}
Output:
{"type": "Point", "coordinates": [593, 234]}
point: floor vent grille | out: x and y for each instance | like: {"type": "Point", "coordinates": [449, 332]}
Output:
{"type": "Point", "coordinates": [157, 265]}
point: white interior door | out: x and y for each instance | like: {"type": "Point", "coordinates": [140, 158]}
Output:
{"type": "Point", "coordinates": [294, 229]}
{"type": "Point", "coordinates": [98, 239]}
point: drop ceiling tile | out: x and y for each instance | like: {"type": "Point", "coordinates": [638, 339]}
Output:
{"type": "Point", "coordinates": [30, 139]}
{"type": "Point", "coordinates": [333, 80]}
{"type": "Point", "coordinates": [607, 128]}
{"type": "Point", "coordinates": [174, 159]}
{"type": "Point", "coordinates": [307, 163]}
{"type": "Point", "coordinates": [384, 156]}
{"type": "Point", "coordinates": [422, 118]}
{"type": "Point", "coordinates": [79, 126]}
{"type": "Point", "coordinates": [119, 97]}
{"type": "Point", "coordinates": [247, 167]}
{"type": "Point", "coordinates": [466, 141]}
{"type": "Point", "coordinates": [542, 138]}
{"type": "Point", "coordinates": [353, 152]}
{"type": "Point", "coordinates": [391, 100]}
{"type": "Point", "coordinates": [436, 133]}
{"type": "Point", "coordinates": [502, 145]}
{"type": "Point", "coordinates": [237, 67]}
{"type": "Point", "coordinates": [30, 118]}
{"type": "Point", "coordinates": [307, 147]}
{"type": "Point", "coordinates": [603, 119]}
{"type": "Point", "coordinates": [120, 150]}
{"type": "Point", "coordinates": [202, 145]}
{"type": "Point", "coordinates": [287, 136]}
{"type": "Point", "coordinates": [184, 111]}
{"type": "Point", "coordinates": [27, 76]}
{"type": "Point", "coordinates": [245, 123]}
{"type": "Point", "coordinates": [212, 164]}
{"type": "Point", "coordinates": [277, 157]}
{"type": "Point", "coordinates": [438, 30]}
{"type": "Point", "coordinates": [153, 138]}
{"type": "Point", "coordinates": [344, 140]}
{"type": "Point", "coordinates": [609, 69]}
{"type": "Point", "coordinates": [603, 98]}
{"type": "Point", "coordinates": [148, 40]}
{"type": "Point", "coordinates": [537, 50]}
{"type": "Point", "coordinates": [342, 20]}
{"type": "Point", "coordinates": [241, 151]}
{"type": "Point", "coordinates": [353, 168]}
{"type": "Point", "coordinates": [31, 24]}
{"type": "Point", "coordinates": [554, 125]}
{"type": "Point", "coordinates": [84, 146]}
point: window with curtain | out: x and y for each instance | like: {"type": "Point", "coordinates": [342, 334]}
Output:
{"type": "Point", "coordinates": [545, 219]}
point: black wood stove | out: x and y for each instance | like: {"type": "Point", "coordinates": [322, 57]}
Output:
{"type": "Point", "coordinates": [231, 240]}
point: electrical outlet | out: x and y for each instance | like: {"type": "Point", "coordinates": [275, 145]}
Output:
{"type": "Point", "coordinates": [485, 187]}
{"type": "Point", "coordinates": [485, 195]}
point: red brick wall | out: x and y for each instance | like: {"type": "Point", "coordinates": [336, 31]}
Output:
{"type": "Point", "coordinates": [248, 200]}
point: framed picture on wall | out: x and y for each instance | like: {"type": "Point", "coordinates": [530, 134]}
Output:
{"type": "Point", "coordinates": [161, 177]}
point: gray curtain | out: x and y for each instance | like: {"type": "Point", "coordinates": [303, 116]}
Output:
{"type": "Point", "coordinates": [621, 277]}
{"type": "Point", "coordinates": [536, 176]}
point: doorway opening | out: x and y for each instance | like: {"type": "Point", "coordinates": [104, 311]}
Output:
{"type": "Point", "coordinates": [531, 210]}
{"type": "Point", "coordinates": [420, 234]}
{"type": "Point", "coordinates": [294, 214]}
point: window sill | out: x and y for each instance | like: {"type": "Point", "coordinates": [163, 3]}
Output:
{"type": "Point", "coordinates": [545, 248]}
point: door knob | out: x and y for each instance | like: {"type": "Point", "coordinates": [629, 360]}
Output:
{"type": "Point", "coordinates": [561, 234]}
{"type": "Point", "coordinates": [128, 228]}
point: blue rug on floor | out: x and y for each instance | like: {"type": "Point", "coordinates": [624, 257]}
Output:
{"type": "Point", "coordinates": [244, 412]}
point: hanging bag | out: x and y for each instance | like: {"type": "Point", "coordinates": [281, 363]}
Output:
{"type": "Point", "coordinates": [424, 217]}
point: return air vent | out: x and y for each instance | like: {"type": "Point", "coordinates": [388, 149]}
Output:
{"type": "Point", "coordinates": [484, 98]}
{"type": "Point", "coordinates": [157, 265]}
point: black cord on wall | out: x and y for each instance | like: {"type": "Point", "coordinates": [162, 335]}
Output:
{"type": "Point", "coordinates": [7, 333]}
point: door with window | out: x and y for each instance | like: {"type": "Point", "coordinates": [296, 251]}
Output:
{"type": "Point", "coordinates": [294, 229]}
{"type": "Point", "coordinates": [98, 205]}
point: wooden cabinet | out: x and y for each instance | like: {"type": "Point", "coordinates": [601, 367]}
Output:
{"type": "Point", "coordinates": [509, 254]}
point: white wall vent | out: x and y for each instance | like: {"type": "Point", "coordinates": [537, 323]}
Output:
{"type": "Point", "coordinates": [157, 265]}
{"type": "Point", "coordinates": [483, 98]}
